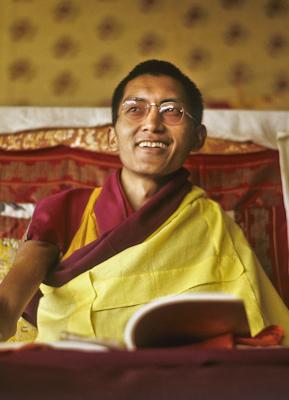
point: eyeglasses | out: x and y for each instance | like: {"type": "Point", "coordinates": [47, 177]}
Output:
{"type": "Point", "coordinates": [170, 112]}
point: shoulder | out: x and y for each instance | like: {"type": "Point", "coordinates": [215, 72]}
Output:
{"type": "Point", "coordinates": [57, 217]}
{"type": "Point", "coordinates": [220, 222]}
{"type": "Point", "coordinates": [65, 197]}
{"type": "Point", "coordinates": [202, 207]}
{"type": "Point", "coordinates": [198, 198]}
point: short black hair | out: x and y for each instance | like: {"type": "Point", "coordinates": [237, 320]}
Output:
{"type": "Point", "coordinates": [157, 68]}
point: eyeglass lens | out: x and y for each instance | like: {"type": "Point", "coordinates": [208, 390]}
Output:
{"type": "Point", "coordinates": [170, 112]}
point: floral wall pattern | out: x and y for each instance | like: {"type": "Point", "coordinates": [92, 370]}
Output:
{"type": "Point", "coordinates": [74, 52]}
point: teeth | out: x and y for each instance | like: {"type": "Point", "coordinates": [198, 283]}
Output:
{"type": "Point", "coordinates": [152, 144]}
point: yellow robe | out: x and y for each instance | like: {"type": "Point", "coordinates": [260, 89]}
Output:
{"type": "Point", "coordinates": [198, 249]}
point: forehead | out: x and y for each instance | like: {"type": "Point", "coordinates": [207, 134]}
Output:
{"type": "Point", "coordinates": [154, 88]}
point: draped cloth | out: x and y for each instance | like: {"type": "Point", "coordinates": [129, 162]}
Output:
{"type": "Point", "coordinates": [114, 227]}
{"type": "Point", "coordinates": [110, 228]}
{"type": "Point", "coordinates": [178, 242]}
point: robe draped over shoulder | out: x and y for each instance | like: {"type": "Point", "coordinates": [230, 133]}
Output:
{"type": "Point", "coordinates": [179, 242]}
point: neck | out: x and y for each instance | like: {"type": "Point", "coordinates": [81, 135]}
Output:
{"type": "Point", "coordinates": [139, 189]}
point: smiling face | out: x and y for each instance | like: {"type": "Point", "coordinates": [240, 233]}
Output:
{"type": "Point", "coordinates": [150, 147]}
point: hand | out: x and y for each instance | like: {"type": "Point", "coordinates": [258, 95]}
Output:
{"type": "Point", "coordinates": [8, 324]}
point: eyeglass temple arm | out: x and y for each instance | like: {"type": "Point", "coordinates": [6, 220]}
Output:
{"type": "Point", "coordinates": [190, 116]}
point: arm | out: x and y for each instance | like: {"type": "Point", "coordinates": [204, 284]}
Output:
{"type": "Point", "coordinates": [31, 264]}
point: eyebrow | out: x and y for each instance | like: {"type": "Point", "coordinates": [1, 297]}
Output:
{"type": "Point", "coordinates": [133, 98]}
{"type": "Point", "coordinates": [175, 99]}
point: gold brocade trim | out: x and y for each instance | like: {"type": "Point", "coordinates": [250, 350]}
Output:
{"type": "Point", "coordinates": [96, 139]}
{"type": "Point", "coordinates": [221, 146]}
{"type": "Point", "coordinates": [25, 332]}
{"type": "Point", "coordinates": [8, 249]}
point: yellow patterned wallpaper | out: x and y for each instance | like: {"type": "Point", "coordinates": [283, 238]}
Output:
{"type": "Point", "coordinates": [74, 52]}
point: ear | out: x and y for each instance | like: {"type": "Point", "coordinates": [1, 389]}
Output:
{"type": "Point", "coordinates": [112, 139]}
{"type": "Point", "coordinates": [200, 134]}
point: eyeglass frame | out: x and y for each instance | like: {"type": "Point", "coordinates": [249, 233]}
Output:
{"type": "Point", "coordinates": [150, 105]}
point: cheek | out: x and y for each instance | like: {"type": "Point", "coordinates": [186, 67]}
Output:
{"type": "Point", "coordinates": [125, 149]}
{"type": "Point", "coordinates": [124, 132]}
{"type": "Point", "coordinates": [186, 145]}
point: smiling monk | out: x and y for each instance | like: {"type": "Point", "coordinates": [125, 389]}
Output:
{"type": "Point", "coordinates": [99, 254]}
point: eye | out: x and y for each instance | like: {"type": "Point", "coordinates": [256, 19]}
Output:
{"type": "Point", "coordinates": [168, 109]}
{"type": "Point", "coordinates": [130, 106]}
{"type": "Point", "coordinates": [171, 109]}
{"type": "Point", "coordinates": [133, 109]}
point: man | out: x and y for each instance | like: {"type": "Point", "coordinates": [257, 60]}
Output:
{"type": "Point", "coordinates": [147, 233]}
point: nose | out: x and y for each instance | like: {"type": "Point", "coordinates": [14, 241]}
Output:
{"type": "Point", "coordinates": [153, 120]}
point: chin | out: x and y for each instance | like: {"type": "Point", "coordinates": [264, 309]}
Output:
{"type": "Point", "coordinates": [156, 173]}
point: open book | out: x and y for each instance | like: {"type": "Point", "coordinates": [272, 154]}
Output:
{"type": "Point", "coordinates": [169, 322]}
{"type": "Point", "coordinates": [185, 319]}
{"type": "Point", "coordinates": [177, 321]}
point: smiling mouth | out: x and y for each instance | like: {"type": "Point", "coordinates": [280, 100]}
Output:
{"type": "Point", "coordinates": [151, 144]}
